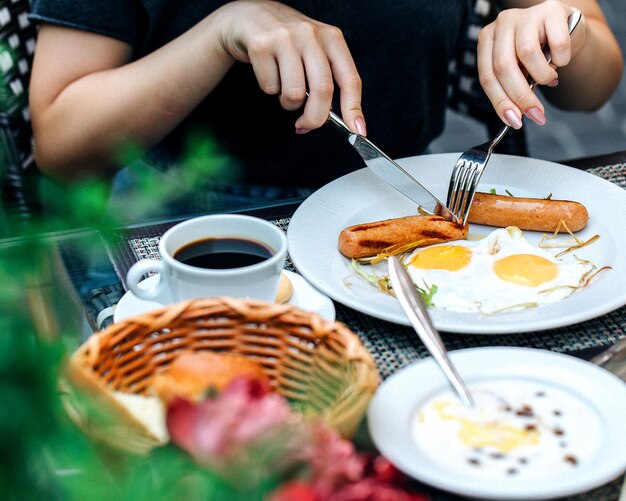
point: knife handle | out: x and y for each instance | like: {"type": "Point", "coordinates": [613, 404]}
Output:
{"type": "Point", "coordinates": [336, 121]}
{"type": "Point", "coordinates": [339, 123]}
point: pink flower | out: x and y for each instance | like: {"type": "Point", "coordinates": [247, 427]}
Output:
{"type": "Point", "coordinates": [245, 427]}
{"type": "Point", "coordinates": [333, 461]}
{"type": "Point", "coordinates": [250, 435]}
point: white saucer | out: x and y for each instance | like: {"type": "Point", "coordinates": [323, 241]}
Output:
{"type": "Point", "coordinates": [305, 296]}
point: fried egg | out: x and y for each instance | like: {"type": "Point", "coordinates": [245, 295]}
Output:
{"type": "Point", "coordinates": [501, 272]}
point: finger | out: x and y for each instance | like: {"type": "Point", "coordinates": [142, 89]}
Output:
{"type": "Point", "coordinates": [559, 43]}
{"type": "Point", "coordinates": [292, 78]}
{"type": "Point", "coordinates": [506, 67]}
{"type": "Point", "coordinates": [266, 72]}
{"type": "Point", "coordinates": [347, 77]}
{"type": "Point", "coordinates": [531, 49]}
{"type": "Point", "coordinates": [320, 83]}
{"type": "Point", "coordinates": [506, 109]}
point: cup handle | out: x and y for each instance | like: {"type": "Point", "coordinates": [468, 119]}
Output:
{"type": "Point", "coordinates": [136, 274]}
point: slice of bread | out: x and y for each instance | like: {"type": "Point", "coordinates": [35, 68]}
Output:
{"type": "Point", "coordinates": [125, 421]}
{"type": "Point", "coordinates": [149, 411]}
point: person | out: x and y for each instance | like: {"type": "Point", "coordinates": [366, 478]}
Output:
{"type": "Point", "coordinates": [110, 74]}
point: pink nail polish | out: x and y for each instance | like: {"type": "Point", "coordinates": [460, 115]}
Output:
{"type": "Point", "coordinates": [513, 119]}
{"type": "Point", "coordinates": [300, 130]}
{"type": "Point", "coordinates": [360, 126]}
{"type": "Point", "coordinates": [536, 115]}
{"type": "Point", "coordinates": [554, 83]}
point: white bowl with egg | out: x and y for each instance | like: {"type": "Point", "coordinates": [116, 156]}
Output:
{"type": "Point", "coordinates": [545, 425]}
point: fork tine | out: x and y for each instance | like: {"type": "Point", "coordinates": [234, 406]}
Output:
{"type": "Point", "coordinates": [459, 186]}
{"type": "Point", "coordinates": [454, 185]}
{"type": "Point", "coordinates": [461, 194]}
{"type": "Point", "coordinates": [466, 175]}
{"type": "Point", "coordinates": [469, 192]}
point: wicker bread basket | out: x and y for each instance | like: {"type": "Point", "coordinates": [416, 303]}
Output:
{"type": "Point", "coordinates": [320, 366]}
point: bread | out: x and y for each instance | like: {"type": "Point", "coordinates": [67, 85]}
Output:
{"type": "Point", "coordinates": [136, 423]}
{"type": "Point", "coordinates": [125, 421]}
{"type": "Point", "coordinates": [192, 375]}
{"type": "Point", "coordinates": [148, 410]}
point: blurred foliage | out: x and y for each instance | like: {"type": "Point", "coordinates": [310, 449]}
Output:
{"type": "Point", "coordinates": [42, 453]}
{"type": "Point", "coordinates": [153, 187]}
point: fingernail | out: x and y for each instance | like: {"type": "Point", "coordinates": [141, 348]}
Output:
{"type": "Point", "coordinates": [513, 119]}
{"type": "Point", "coordinates": [554, 83]}
{"type": "Point", "coordinates": [300, 130]}
{"type": "Point", "coordinates": [536, 115]}
{"type": "Point", "coordinates": [360, 126]}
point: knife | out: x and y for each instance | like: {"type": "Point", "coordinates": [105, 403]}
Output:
{"type": "Point", "coordinates": [392, 173]}
{"type": "Point", "coordinates": [415, 310]}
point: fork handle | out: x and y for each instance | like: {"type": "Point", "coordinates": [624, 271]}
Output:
{"type": "Point", "coordinates": [498, 138]}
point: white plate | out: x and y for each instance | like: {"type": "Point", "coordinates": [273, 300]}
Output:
{"type": "Point", "coordinates": [304, 297]}
{"type": "Point", "coordinates": [396, 401]}
{"type": "Point", "coordinates": [361, 197]}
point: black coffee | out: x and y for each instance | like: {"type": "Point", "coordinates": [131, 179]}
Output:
{"type": "Point", "coordinates": [222, 253]}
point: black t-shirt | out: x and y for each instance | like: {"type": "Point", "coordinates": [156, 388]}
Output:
{"type": "Point", "coordinates": [401, 48]}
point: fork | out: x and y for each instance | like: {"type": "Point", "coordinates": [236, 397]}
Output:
{"type": "Point", "coordinates": [471, 164]}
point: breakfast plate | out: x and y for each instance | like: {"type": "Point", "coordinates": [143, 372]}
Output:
{"type": "Point", "coordinates": [304, 297]}
{"type": "Point", "coordinates": [577, 417]}
{"type": "Point", "coordinates": [361, 197]}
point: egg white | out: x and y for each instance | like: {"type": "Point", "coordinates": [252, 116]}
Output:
{"type": "Point", "coordinates": [489, 439]}
{"type": "Point", "coordinates": [477, 288]}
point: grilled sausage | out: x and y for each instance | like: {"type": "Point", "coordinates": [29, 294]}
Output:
{"type": "Point", "coordinates": [369, 239]}
{"type": "Point", "coordinates": [527, 213]}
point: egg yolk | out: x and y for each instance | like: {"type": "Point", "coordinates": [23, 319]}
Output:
{"type": "Point", "coordinates": [477, 433]}
{"type": "Point", "coordinates": [443, 257]}
{"type": "Point", "coordinates": [525, 269]}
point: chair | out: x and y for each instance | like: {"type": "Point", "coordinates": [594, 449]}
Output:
{"type": "Point", "coordinates": [465, 94]}
{"type": "Point", "coordinates": [18, 173]}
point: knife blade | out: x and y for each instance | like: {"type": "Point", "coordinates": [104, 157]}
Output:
{"type": "Point", "coordinates": [393, 173]}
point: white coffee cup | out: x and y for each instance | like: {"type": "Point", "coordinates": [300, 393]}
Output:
{"type": "Point", "coordinates": [179, 281]}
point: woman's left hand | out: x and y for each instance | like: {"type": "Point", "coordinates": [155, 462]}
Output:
{"type": "Point", "coordinates": [510, 52]}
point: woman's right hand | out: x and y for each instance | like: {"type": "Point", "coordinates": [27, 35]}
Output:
{"type": "Point", "coordinates": [290, 54]}
{"type": "Point", "coordinates": [140, 101]}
